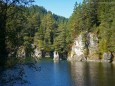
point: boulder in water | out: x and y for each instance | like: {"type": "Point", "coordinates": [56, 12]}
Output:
{"type": "Point", "coordinates": [56, 56]}
{"type": "Point", "coordinates": [107, 57]}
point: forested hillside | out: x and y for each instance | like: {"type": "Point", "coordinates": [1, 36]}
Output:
{"type": "Point", "coordinates": [97, 17]}
{"type": "Point", "coordinates": [24, 28]}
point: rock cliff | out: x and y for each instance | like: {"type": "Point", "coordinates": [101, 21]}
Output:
{"type": "Point", "coordinates": [85, 48]}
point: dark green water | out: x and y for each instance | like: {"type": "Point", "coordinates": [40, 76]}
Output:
{"type": "Point", "coordinates": [63, 73]}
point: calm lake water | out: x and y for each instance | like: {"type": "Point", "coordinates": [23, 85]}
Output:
{"type": "Point", "coordinates": [63, 73]}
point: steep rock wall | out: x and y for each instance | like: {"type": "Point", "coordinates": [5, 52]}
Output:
{"type": "Point", "coordinates": [93, 47]}
{"type": "Point", "coordinates": [85, 47]}
{"type": "Point", "coordinates": [35, 52]}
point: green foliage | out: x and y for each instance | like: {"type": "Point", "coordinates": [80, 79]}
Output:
{"type": "Point", "coordinates": [60, 43]}
{"type": "Point", "coordinates": [22, 25]}
{"type": "Point", "coordinates": [10, 24]}
{"type": "Point", "coordinates": [51, 34]}
{"type": "Point", "coordinates": [97, 16]}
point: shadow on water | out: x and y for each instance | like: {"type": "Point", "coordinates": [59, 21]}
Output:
{"type": "Point", "coordinates": [44, 73]}
{"type": "Point", "coordinates": [16, 75]}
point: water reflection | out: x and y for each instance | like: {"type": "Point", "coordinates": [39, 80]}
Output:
{"type": "Point", "coordinates": [93, 74]}
{"type": "Point", "coordinates": [44, 73]}
{"type": "Point", "coordinates": [62, 73]}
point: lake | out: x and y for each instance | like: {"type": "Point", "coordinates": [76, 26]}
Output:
{"type": "Point", "coordinates": [63, 73]}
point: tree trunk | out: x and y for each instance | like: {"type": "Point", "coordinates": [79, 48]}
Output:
{"type": "Point", "coordinates": [52, 54]}
{"type": "Point", "coordinates": [43, 54]}
{"type": "Point", "coordinates": [3, 50]}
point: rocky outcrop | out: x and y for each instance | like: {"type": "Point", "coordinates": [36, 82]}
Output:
{"type": "Point", "coordinates": [56, 56]}
{"type": "Point", "coordinates": [93, 46]}
{"type": "Point", "coordinates": [107, 57]}
{"type": "Point", "coordinates": [78, 48]}
{"type": "Point", "coordinates": [85, 47]}
{"type": "Point", "coordinates": [37, 53]}
{"type": "Point", "coordinates": [113, 54]}
{"type": "Point", "coordinates": [21, 52]}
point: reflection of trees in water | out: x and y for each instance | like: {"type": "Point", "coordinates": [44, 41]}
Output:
{"type": "Point", "coordinates": [16, 75]}
{"type": "Point", "coordinates": [13, 75]}
{"type": "Point", "coordinates": [80, 72]}
{"type": "Point", "coordinates": [93, 74]}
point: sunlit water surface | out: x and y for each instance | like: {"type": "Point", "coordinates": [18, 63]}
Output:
{"type": "Point", "coordinates": [63, 73]}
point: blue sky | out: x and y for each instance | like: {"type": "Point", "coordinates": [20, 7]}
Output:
{"type": "Point", "coordinates": [59, 7]}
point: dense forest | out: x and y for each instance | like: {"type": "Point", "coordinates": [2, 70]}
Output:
{"type": "Point", "coordinates": [97, 17]}
{"type": "Point", "coordinates": [25, 27]}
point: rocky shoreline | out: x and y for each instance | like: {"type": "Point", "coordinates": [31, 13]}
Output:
{"type": "Point", "coordinates": [86, 48]}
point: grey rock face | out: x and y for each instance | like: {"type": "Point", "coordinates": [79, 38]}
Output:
{"type": "Point", "coordinates": [34, 53]}
{"type": "Point", "coordinates": [93, 46]}
{"type": "Point", "coordinates": [78, 48]}
{"type": "Point", "coordinates": [37, 53]}
{"type": "Point", "coordinates": [21, 52]}
{"type": "Point", "coordinates": [56, 56]}
{"type": "Point", "coordinates": [107, 57]}
{"type": "Point", "coordinates": [80, 58]}
{"type": "Point", "coordinates": [83, 50]}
